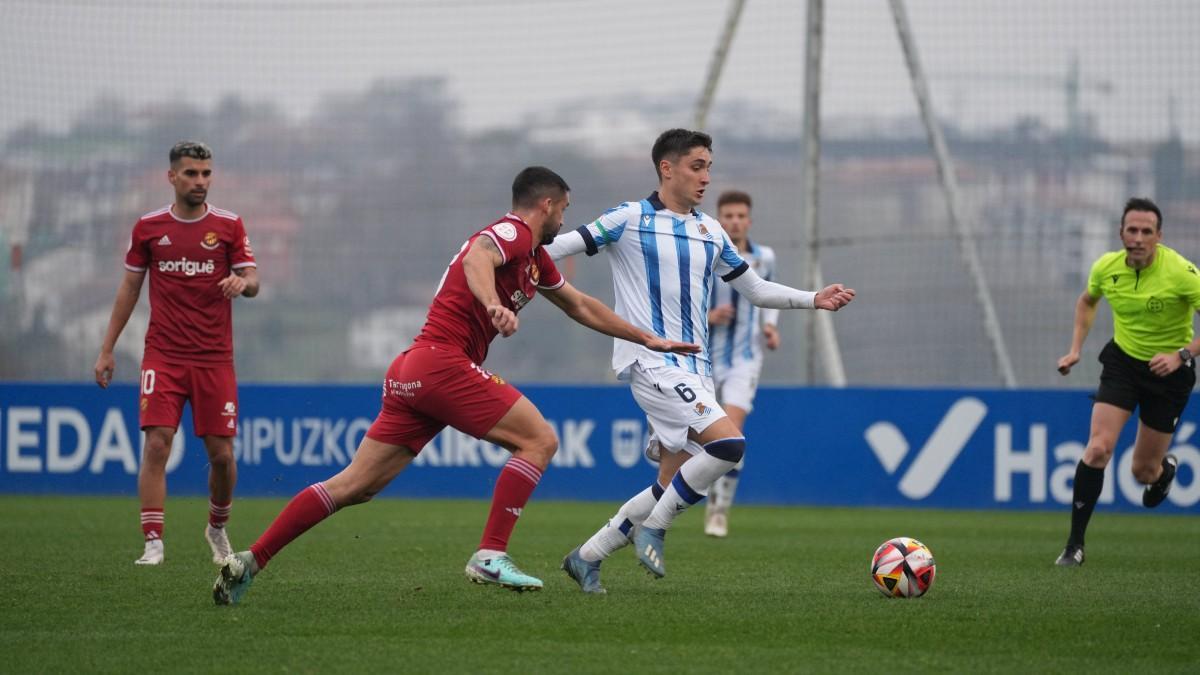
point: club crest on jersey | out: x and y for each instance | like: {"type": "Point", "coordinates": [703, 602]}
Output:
{"type": "Point", "coordinates": [701, 409]}
{"type": "Point", "coordinates": [497, 379]}
{"type": "Point", "coordinates": [210, 241]}
{"type": "Point", "coordinates": [145, 403]}
{"type": "Point", "coordinates": [505, 231]}
{"type": "Point", "coordinates": [249, 251]}
{"type": "Point", "coordinates": [535, 274]}
{"type": "Point", "coordinates": [1154, 305]}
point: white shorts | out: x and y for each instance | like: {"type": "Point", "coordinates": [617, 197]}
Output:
{"type": "Point", "coordinates": [674, 401]}
{"type": "Point", "coordinates": [736, 386]}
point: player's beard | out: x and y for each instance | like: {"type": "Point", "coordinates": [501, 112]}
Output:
{"type": "Point", "coordinates": [550, 233]}
{"type": "Point", "coordinates": [194, 199]}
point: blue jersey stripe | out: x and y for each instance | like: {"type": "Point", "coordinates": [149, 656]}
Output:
{"type": "Point", "coordinates": [683, 250]}
{"type": "Point", "coordinates": [748, 347]}
{"type": "Point", "coordinates": [734, 299]}
{"type": "Point", "coordinates": [709, 252]}
{"type": "Point", "coordinates": [649, 243]}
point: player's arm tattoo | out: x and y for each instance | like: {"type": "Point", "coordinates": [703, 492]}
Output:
{"type": "Point", "coordinates": [488, 246]}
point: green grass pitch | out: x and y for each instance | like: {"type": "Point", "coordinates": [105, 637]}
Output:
{"type": "Point", "coordinates": [380, 588]}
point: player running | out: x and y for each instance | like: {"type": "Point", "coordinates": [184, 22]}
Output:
{"type": "Point", "coordinates": [199, 259]}
{"type": "Point", "coordinates": [665, 256]}
{"type": "Point", "coordinates": [1149, 364]}
{"type": "Point", "coordinates": [440, 380]}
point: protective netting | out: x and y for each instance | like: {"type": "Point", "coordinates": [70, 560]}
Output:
{"type": "Point", "coordinates": [363, 141]}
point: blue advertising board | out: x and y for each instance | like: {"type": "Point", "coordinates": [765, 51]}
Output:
{"type": "Point", "coordinates": [979, 449]}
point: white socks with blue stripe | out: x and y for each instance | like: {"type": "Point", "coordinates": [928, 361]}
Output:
{"type": "Point", "coordinates": [615, 534]}
{"type": "Point", "coordinates": [693, 479]}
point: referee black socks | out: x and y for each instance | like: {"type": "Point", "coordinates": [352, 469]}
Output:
{"type": "Point", "coordinates": [1089, 482]}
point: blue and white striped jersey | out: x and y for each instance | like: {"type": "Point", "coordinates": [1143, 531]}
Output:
{"type": "Point", "coordinates": [740, 341]}
{"type": "Point", "coordinates": [664, 266]}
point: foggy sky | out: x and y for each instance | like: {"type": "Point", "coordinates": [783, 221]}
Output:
{"type": "Point", "coordinates": [504, 60]}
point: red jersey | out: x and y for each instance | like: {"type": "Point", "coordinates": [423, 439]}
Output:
{"type": "Point", "coordinates": [190, 320]}
{"type": "Point", "coordinates": [457, 319]}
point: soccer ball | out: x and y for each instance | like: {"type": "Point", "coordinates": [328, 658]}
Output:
{"type": "Point", "coordinates": [903, 568]}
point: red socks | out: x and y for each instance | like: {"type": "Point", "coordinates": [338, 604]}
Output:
{"type": "Point", "coordinates": [152, 523]}
{"type": "Point", "coordinates": [516, 483]}
{"type": "Point", "coordinates": [218, 514]}
{"type": "Point", "coordinates": [309, 507]}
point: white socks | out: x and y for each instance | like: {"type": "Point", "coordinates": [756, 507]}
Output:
{"type": "Point", "coordinates": [615, 534]}
{"type": "Point", "coordinates": [689, 486]}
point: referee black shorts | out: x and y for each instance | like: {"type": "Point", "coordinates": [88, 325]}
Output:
{"type": "Point", "coordinates": [1128, 383]}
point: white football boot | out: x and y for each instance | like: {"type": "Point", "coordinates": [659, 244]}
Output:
{"type": "Point", "coordinates": [716, 524]}
{"type": "Point", "coordinates": [153, 555]}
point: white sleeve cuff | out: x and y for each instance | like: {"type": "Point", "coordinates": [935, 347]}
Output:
{"type": "Point", "coordinates": [566, 244]}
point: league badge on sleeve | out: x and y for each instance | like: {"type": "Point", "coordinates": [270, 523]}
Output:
{"type": "Point", "coordinates": [505, 231]}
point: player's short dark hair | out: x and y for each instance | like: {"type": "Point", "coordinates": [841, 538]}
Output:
{"type": "Point", "coordinates": [1141, 204]}
{"type": "Point", "coordinates": [193, 149]}
{"type": "Point", "coordinates": [534, 184]}
{"type": "Point", "coordinates": [734, 197]}
{"type": "Point", "coordinates": [675, 143]}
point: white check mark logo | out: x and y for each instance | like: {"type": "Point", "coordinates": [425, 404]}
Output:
{"type": "Point", "coordinates": [938, 453]}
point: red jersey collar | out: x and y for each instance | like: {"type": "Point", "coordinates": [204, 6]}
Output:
{"type": "Point", "coordinates": [207, 209]}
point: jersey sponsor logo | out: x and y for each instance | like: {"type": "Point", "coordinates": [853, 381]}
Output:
{"type": "Point", "coordinates": [188, 267]}
{"type": "Point", "coordinates": [505, 231]}
{"type": "Point", "coordinates": [165, 241]}
{"type": "Point", "coordinates": [519, 299]}
{"type": "Point", "coordinates": [210, 241]}
{"type": "Point", "coordinates": [1154, 305]}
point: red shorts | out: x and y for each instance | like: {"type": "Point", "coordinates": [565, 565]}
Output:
{"type": "Point", "coordinates": [429, 387]}
{"type": "Point", "coordinates": [212, 390]}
